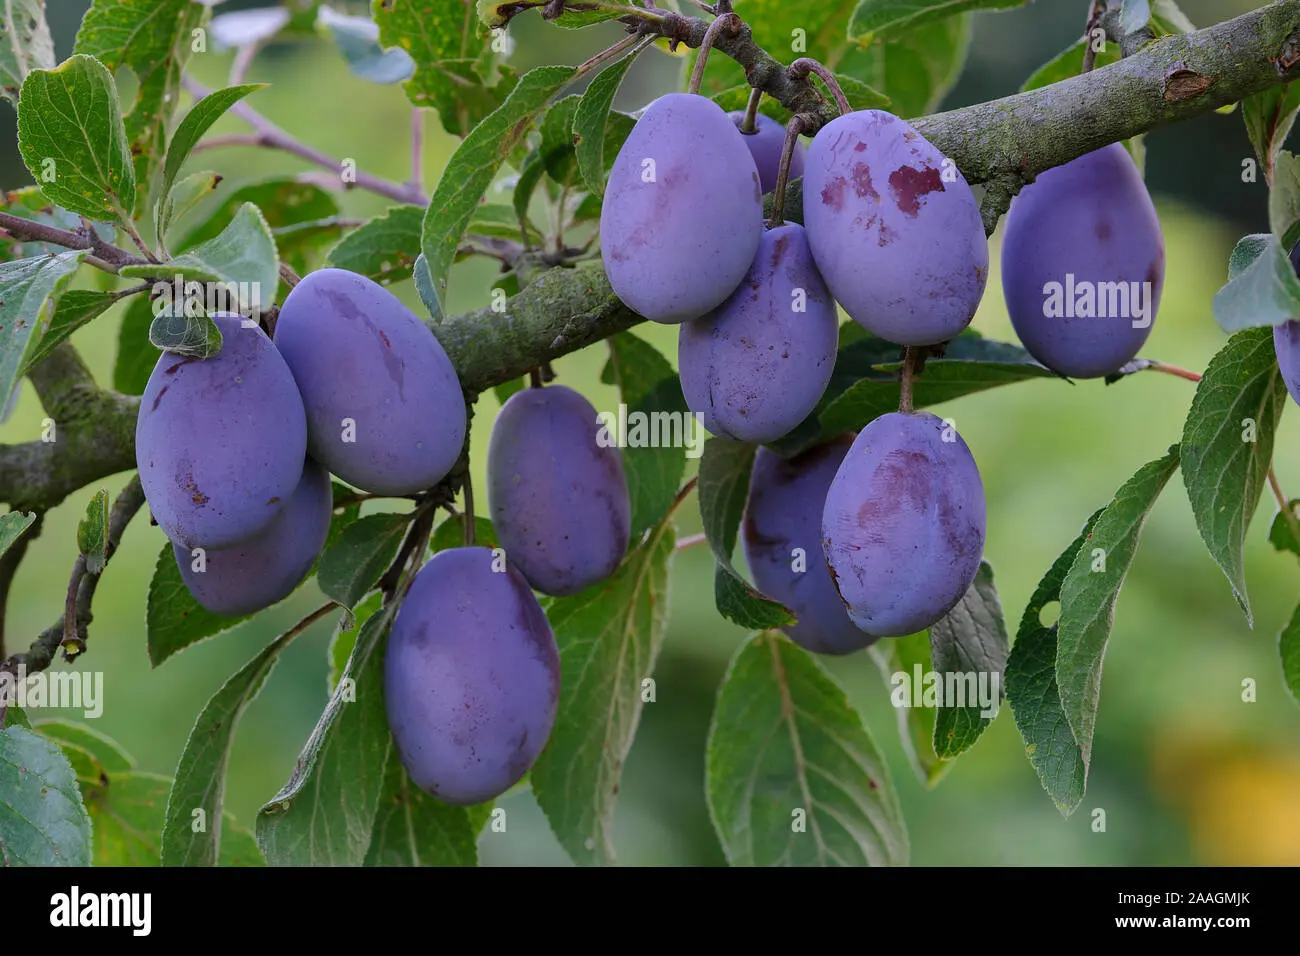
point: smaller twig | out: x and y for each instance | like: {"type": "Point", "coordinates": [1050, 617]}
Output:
{"type": "Point", "coordinates": [750, 124]}
{"type": "Point", "coordinates": [612, 53]}
{"type": "Point", "coordinates": [288, 276]}
{"type": "Point", "coordinates": [1175, 370]}
{"type": "Point", "coordinates": [692, 541]}
{"type": "Point", "coordinates": [727, 21]}
{"type": "Point", "coordinates": [683, 493]}
{"type": "Point", "coordinates": [800, 69]}
{"type": "Point", "coordinates": [1095, 10]}
{"type": "Point", "coordinates": [129, 228]}
{"type": "Point", "coordinates": [70, 604]}
{"type": "Point", "coordinates": [243, 60]}
{"type": "Point", "coordinates": [467, 515]}
{"type": "Point", "coordinates": [913, 358]}
{"type": "Point", "coordinates": [798, 123]}
{"type": "Point", "coordinates": [535, 377]}
{"type": "Point", "coordinates": [422, 521]}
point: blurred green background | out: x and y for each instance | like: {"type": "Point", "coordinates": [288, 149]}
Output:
{"type": "Point", "coordinates": [1186, 771]}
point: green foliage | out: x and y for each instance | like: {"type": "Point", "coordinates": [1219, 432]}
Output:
{"type": "Point", "coordinates": [1282, 533]}
{"type": "Point", "coordinates": [1269, 116]}
{"type": "Point", "coordinates": [915, 69]}
{"type": "Point", "coordinates": [136, 355]}
{"type": "Point", "coordinates": [193, 336]}
{"type": "Point", "coordinates": [971, 639]}
{"type": "Point", "coordinates": [609, 637]}
{"type": "Point", "coordinates": [25, 44]}
{"type": "Point", "coordinates": [1262, 288]}
{"type": "Point", "coordinates": [358, 40]}
{"type": "Point", "coordinates": [413, 829]}
{"type": "Point", "coordinates": [92, 532]}
{"type": "Point", "coordinates": [29, 294]}
{"type": "Point", "coordinates": [353, 564]}
{"type": "Point", "coordinates": [42, 816]}
{"type": "Point", "coordinates": [455, 69]}
{"type": "Point", "coordinates": [183, 198]}
{"type": "Point", "coordinates": [915, 724]}
{"type": "Point", "coordinates": [325, 814]}
{"type": "Point", "coordinates": [591, 122]}
{"type": "Point", "coordinates": [384, 249]}
{"type": "Point", "coordinates": [72, 310]}
{"type": "Point", "coordinates": [173, 619]}
{"type": "Point", "coordinates": [1288, 645]}
{"type": "Point", "coordinates": [793, 778]}
{"type": "Point", "coordinates": [471, 169]}
{"type": "Point", "coordinates": [725, 468]}
{"type": "Point", "coordinates": [1134, 15]}
{"type": "Point", "coordinates": [155, 39]}
{"type": "Point", "coordinates": [12, 526]}
{"type": "Point", "coordinates": [1284, 200]}
{"type": "Point", "coordinates": [191, 835]}
{"type": "Point", "coordinates": [1090, 590]}
{"type": "Point", "coordinates": [1067, 64]}
{"type": "Point", "coordinates": [1033, 693]}
{"type": "Point", "coordinates": [72, 138]}
{"type": "Point", "coordinates": [1228, 445]}
{"type": "Point", "coordinates": [888, 18]}
{"type": "Point", "coordinates": [648, 385]}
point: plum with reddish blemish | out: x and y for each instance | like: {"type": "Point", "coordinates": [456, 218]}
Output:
{"type": "Point", "coordinates": [1083, 264]}
{"type": "Point", "coordinates": [385, 411]}
{"type": "Point", "coordinates": [903, 524]}
{"type": "Point", "coordinates": [683, 211]}
{"type": "Point", "coordinates": [757, 365]}
{"type": "Point", "coordinates": [220, 441]}
{"type": "Point", "coordinates": [894, 229]}
{"type": "Point", "coordinates": [766, 144]}
{"type": "Point", "coordinates": [782, 536]}
{"type": "Point", "coordinates": [471, 677]}
{"type": "Point", "coordinates": [558, 496]}
{"type": "Point", "coordinates": [266, 568]}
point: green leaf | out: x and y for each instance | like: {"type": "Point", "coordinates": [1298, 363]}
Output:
{"type": "Point", "coordinates": [191, 129]}
{"type": "Point", "coordinates": [72, 310]}
{"type": "Point", "coordinates": [29, 295]}
{"type": "Point", "coordinates": [413, 829]}
{"type": "Point", "coordinates": [903, 662]}
{"type": "Point", "coordinates": [136, 355]}
{"type": "Point", "coordinates": [1091, 589]}
{"type": "Point", "coordinates": [506, 389]}
{"type": "Point", "coordinates": [1269, 116]}
{"type": "Point", "coordinates": [353, 565]}
{"type": "Point", "coordinates": [970, 641]}
{"type": "Point", "coordinates": [173, 619]}
{"type": "Point", "coordinates": [915, 69]}
{"type": "Point", "coordinates": [325, 814]}
{"type": "Point", "coordinates": [153, 38]}
{"type": "Point", "coordinates": [1281, 534]}
{"type": "Point", "coordinates": [25, 44]}
{"type": "Point", "coordinates": [93, 755]}
{"type": "Point", "coordinates": [128, 810]}
{"type": "Point", "coordinates": [451, 534]}
{"type": "Point", "coordinates": [242, 258]}
{"type": "Point", "coordinates": [723, 487]}
{"type": "Point", "coordinates": [384, 249]}
{"type": "Point", "coordinates": [12, 526]}
{"type": "Point", "coordinates": [184, 197]}
{"type": "Point", "coordinates": [1288, 645]}
{"type": "Point", "coordinates": [1168, 18]}
{"type": "Point", "coordinates": [194, 336]}
{"type": "Point", "coordinates": [1034, 696]}
{"type": "Point", "coordinates": [792, 776]}
{"type": "Point", "coordinates": [357, 38]}
{"type": "Point", "coordinates": [345, 636]}
{"type": "Point", "coordinates": [1068, 64]}
{"type": "Point", "coordinates": [282, 202]}
{"type": "Point", "coordinates": [449, 47]}
{"type": "Point", "coordinates": [1228, 446]}
{"type": "Point", "coordinates": [474, 165]}
{"type": "Point", "coordinates": [43, 821]}
{"type": "Point", "coordinates": [1262, 288]}
{"type": "Point", "coordinates": [92, 532]}
{"type": "Point", "coordinates": [71, 137]}
{"type": "Point", "coordinates": [609, 638]}
{"type": "Point", "coordinates": [191, 834]}
{"type": "Point", "coordinates": [1134, 15]}
{"type": "Point", "coordinates": [590, 120]}
{"type": "Point", "coordinates": [889, 18]}
{"type": "Point", "coordinates": [648, 386]}
{"type": "Point", "coordinates": [1284, 200]}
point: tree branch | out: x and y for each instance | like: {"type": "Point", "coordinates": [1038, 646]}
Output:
{"type": "Point", "coordinates": [26, 230]}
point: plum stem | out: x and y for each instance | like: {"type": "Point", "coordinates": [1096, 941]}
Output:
{"type": "Point", "coordinates": [729, 22]}
{"type": "Point", "coordinates": [750, 124]}
{"type": "Point", "coordinates": [912, 359]}
{"type": "Point", "coordinates": [798, 123]}
{"type": "Point", "coordinates": [535, 377]}
{"type": "Point", "coordinates": [467, 515]}
{"type": "Point", "coordinates": [1095, 11]}
{"type": "Point", "coordinates": [800, 69]}
{"type": "Point", "coordinates": [610, 53]}
{"type": "Point", "coordinates": [1175, 370]}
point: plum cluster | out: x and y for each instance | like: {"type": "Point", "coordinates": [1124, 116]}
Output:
{"type": "Point", "coordinates": [235, 454]}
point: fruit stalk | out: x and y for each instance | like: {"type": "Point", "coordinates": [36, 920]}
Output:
{"type": "Point", "coordinates": [728, 22]}
{"type": "Point", "coordinates": [797, 125]}
{"type": "Point", "coordinates": [751, 111]}
{"type": "Point", "coordinates": [800, 69]}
